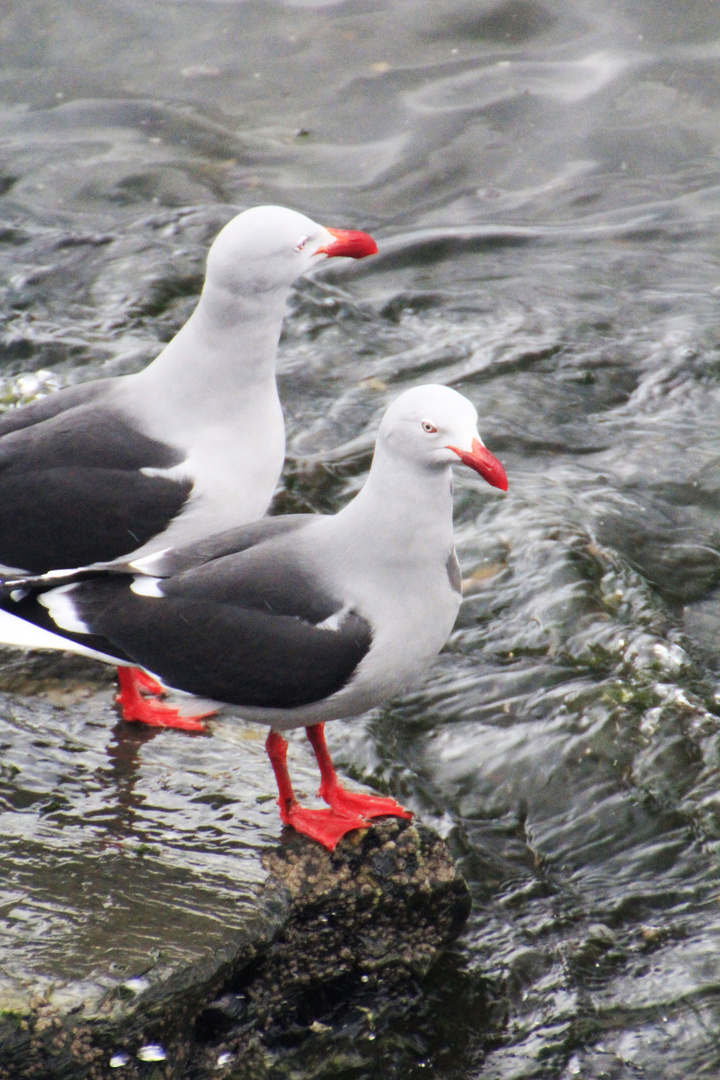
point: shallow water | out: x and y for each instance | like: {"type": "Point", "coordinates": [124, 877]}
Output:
{"type": "Point", "coordinates": [542, 178]}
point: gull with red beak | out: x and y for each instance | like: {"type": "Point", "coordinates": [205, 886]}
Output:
{"type": "Point", "coordinates": [194, 444]}
{"type": "Point", "coordinates": [301, 619]}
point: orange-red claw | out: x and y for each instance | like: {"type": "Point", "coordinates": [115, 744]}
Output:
{"type": "Point", "coordinates": [137, 709]}
{"type": "Point", "coordinates": [325, 826]}
{"type": "Point", "coordinates": [368, 806]}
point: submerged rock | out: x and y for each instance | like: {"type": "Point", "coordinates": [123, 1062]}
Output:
{"type": "Point", "coordinates": [155, 923]}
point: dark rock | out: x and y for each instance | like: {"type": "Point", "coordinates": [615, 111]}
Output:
{"type": "Point", "coordinates": [153, 926]}
{"type": "Point", "coordinates": [373, 913]}
{"type": "Point", "coordinates": [363, 924]}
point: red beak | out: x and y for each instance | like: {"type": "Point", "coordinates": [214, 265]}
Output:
{"type": "Point", "coordinates": [355, 245]}
{"type": "Point", "coordinates": [482, 461]}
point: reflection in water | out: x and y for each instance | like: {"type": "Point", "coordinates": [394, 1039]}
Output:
{"type": "Point", "coordinates": [124, 754]}
{"type": "Point", "coordinates": [564, 81]}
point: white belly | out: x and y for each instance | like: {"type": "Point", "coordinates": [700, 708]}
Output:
{"type": "Point", "coordinates": [15, 631]}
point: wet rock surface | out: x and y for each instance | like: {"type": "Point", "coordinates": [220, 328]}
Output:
{"type": "Point", "coordinates": [362, 926]}
{"type": "Point", "coordinates": [149, 930]}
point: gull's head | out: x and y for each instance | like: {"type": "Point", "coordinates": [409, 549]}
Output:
{"type": "Point", "coordinates": [268, 247]}
{"type": "Point", "coordinates": [437, 427]}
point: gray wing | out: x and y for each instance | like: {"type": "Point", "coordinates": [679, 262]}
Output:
{"type": "Point", "coordinates": [232, 541]}
{"type": "Point", "coordinates": [252, 634]}
{"type": "Point", "coordinates": [72, 490]}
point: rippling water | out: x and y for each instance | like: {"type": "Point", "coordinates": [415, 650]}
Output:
{"type": "Point", "coordinates": [543, 181]}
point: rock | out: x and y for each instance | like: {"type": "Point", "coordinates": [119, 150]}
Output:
{"type": "Point", "coordinates": [156, 923]}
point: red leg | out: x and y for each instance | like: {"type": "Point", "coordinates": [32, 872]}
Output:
{"type": "Point", "coordinates": [325, 826]}
{"type": "Point", "coordinates": [133, 706]}
{"type": "Point", "coordinates": [337, 797]}
{"type": "Point", "coordinates": [145, 682]}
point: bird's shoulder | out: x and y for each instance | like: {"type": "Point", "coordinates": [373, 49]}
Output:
{"type": "Point", "coordinates": [231, 542]}
{"type": "Point", "coordinates": [45, 408]}
{"type": "Point", "coordinates": [269, 566]}
{"type": "Point", "coordinates": [81, 426]}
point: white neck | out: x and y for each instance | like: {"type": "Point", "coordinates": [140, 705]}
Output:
{"type": "Point", "coordinates": [403, 514]}
{"type": "Point", "coordinates": [223, 358]}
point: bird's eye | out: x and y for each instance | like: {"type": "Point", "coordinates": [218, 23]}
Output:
{"type": "Point", "coordinates": [428, 427]}
{"type": "Point", "coordinates": [301, 243]}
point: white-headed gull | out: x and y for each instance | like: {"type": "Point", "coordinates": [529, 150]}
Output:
{"type": "Point", "coordinates": [300, 619]}
{"type": "Point", "coordinates": [192, 445]}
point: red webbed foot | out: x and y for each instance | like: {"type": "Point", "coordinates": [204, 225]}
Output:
{"type": "Point", "coordinates": [337, 797]}
{"type": "Point", "coordinates": [357, 802]}
{"type": "Point", "coordinates": [325, 826]}
{"type": "Point", "coordinates": [136, 708]}
{"type": "Point", "coordinates": [349, 810]}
